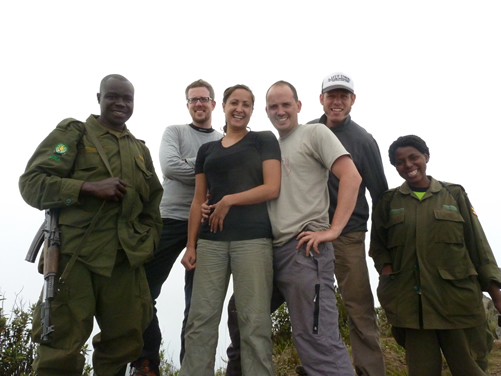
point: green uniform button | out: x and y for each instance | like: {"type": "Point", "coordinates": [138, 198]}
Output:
{"type": "Point", "coordinates": [416, 288]}
{"type": "Point", "coordinates": [68, 201]}
{"type": "Point", "coordinates": [392, 276]}
{"type": "Point", "coordinates": [416, 266]}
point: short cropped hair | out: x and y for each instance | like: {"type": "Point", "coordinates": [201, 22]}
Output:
{"type": "Point", "coordinates": [200, 83]}
{"type": "Point", "coordinates": [285, 83]}
{"type": "Point", "coordinates": [118, 77]}
{"type": "Point", "coordinates": [410, 140]}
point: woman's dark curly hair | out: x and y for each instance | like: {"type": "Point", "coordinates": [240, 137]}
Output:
{"type": "Point", "coordinates": [410, 140]}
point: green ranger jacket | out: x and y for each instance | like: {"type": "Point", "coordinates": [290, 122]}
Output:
{"type": "Point", "coordinates": [440, 257]}
{"type": "Point", "coordinates": [59, 167]}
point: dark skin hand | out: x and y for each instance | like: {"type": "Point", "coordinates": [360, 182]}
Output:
{"type": "Point", "coordinates": [110, 189]}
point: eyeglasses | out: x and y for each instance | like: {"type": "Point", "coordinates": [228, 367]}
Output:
{"type": "Point", "coordinates": [201, 99]}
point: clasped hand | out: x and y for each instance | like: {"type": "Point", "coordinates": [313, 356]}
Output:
{"type": "Point", "coordinates": [219, 212]}
{"type": "Point", "coordinates": [110, 189]}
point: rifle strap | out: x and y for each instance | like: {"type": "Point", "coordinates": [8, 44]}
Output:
{"type": "Point", "coordinates": [99, 148]}
{"type": "Point", "coordinates": [75, 254]}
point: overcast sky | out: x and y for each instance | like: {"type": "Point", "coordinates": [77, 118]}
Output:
{"type": "Point", "coordinates": [430, 68]}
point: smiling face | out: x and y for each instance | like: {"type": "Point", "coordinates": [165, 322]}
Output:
{"type": "Point", "coordinates": [117, 102]}
{"type": "Point", "coordinates": [201, 113]}
{"type": "Point", "coordinates": [411, 165]}
{"type": "Point", "coordinates": [282, 109]}
{"type": "Point", "coordinates": [337, 105]}
{"type": "Point", "coordinates": [238, 110]}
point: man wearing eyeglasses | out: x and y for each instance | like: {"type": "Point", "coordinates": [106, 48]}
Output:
{"type": "Point", "coordinates": [178, 151]}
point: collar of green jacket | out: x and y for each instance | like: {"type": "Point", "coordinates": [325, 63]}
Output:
{"type": "Point", "coordinates": [435, 187]}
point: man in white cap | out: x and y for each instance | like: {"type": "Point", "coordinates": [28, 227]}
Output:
{"type": "Point", "coordinates": [337, 97]}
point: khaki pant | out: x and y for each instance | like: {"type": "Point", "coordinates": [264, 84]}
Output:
{"type": "Point", "coordinates": [122, 307]}
{"type": "Point", "coordinates": [352, 277]}
{"type": "Point", "coordinates": [251, 264]}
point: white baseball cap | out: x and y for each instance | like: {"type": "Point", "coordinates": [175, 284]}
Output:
{"type": "Point", "coordinates": [338, 80]}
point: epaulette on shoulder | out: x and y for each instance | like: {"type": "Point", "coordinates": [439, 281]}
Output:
{"type": "Point", "coordinates": [66, 123]}
{"type": "Point", "coordinates": [454, 189]}
{"type": "Point", "coordinates": [452, 186]}
{"type": "Point", "coordinates": [142, 141]}
{"type": "Point", "coordinates": [390, 191]}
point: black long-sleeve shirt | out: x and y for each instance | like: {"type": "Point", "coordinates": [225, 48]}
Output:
{"type": "Point", "coordinates": [367, 158]}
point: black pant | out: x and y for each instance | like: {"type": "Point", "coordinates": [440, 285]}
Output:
{"type": "Point", "coordinates": [172, 241]}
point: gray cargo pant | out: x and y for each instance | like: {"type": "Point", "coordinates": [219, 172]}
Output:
{"type": "Point", "coordinates": [307, 284]}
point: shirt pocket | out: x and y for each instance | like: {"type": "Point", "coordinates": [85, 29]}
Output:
{"type": "Point", "coordinates": [448, 226]}
{"type": "Point", "coordinates": [460, 292]}
{"type": "Point", "coordinates": [88, 164]}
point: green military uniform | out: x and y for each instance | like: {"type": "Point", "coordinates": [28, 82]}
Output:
{"type": "Point", "coordinates": [441, 262]}
{"type": "Point", "coordinates": [108, 280]}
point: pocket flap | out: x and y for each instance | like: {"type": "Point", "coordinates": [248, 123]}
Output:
{"type": "Point", "coordinates": [396, 216]}
{"type": "Point", "coordinates": [448, 215]}
{"type": "Point", "coordinates": [458, 272]}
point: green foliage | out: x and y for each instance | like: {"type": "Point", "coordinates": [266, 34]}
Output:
{"type": "Point", "coordinates": [382, 321]}
{"type": "Point", "coordinates": [167, 367]}
{"type": "Point", "coordinates": [17, 351]}
{"type": "Point", "coordinates": [281, 329]}
{"type": "Point", "coordinates": [3, 320]}
{"type": "Point", "coordinates": [221, 371]}
{"type": "Point", "coordinates": [285, 355]}
{"type": "Point", "coordinates": [344, 329]}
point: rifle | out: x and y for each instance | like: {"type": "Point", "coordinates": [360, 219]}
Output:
{"type": "Point", "coordinates": [49, 231]}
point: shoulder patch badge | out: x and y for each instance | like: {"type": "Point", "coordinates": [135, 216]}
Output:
{"type": "Point", "coordinates": [61, 149]}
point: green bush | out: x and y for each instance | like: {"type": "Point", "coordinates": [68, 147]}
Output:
{"type": "Point", "coordinates": [285, 357]}
{"type": "Point", "coordinates": [17, 351]}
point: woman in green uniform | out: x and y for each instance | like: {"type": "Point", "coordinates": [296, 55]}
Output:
{"type": "Point", "coordinates": [434, 262]}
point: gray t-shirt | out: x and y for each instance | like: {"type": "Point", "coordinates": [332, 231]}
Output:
{"type": "Point", "coordinates": [308, 153]}
{"type": "Point", "coordinates": [178, 152]}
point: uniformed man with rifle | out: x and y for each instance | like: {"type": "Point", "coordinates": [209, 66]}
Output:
{"type": "Point", "coordinates": [99, 186]}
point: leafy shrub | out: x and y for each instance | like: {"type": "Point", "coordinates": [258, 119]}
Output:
{"type": "Point", "coordinates": [17, 351]}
